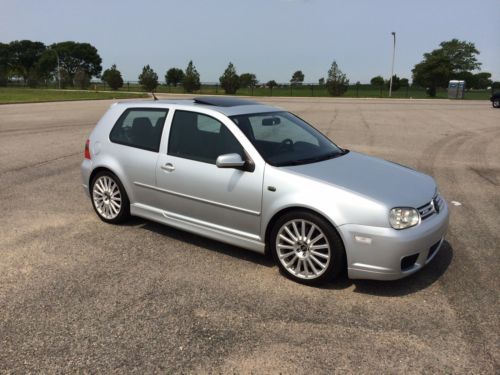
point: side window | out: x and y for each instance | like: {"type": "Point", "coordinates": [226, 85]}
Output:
{"type": "Point", "coordinates": [200, 137]}
{"type": "Point", "coordinates": [140, 127]}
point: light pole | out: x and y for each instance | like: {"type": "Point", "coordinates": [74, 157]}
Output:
{"type": "Point", "coordinates": [392, 68]}
{"type": "Point", "coordinates": [58, 69]}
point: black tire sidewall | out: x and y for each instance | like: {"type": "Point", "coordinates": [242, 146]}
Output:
{"type": "Point", "coordinates": [124, 213]}
{"type": "Point", "coordinates": [496, 103]}
{"type": "Point", "coordinates": [337, 262]}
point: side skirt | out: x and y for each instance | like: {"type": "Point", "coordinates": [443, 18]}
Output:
{"type": "Point", "coordinates": [202, 228]}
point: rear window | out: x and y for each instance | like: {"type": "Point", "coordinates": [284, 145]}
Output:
{"type": "Point", "coordinates": [140, 128]}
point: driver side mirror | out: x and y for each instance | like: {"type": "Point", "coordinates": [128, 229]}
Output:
{"type": "Point", "coordinates": [230, 161]}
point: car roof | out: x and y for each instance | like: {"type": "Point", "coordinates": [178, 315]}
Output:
{"type": "Point", "coordinates": [226, 105]}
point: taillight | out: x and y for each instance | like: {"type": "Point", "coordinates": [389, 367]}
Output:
{"type": "Point", "coordinates": [86, 153]}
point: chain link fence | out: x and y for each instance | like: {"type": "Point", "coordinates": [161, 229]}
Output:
{"type": "Point", "coordinates": [281, 89]}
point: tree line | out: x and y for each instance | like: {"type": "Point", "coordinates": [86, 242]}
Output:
{"type": "Point", "coordinates": [71, 63]}
{"type": "Point", "coordinates": [336, 82]}
{"type": "Point", "coordinates": [74, 64]}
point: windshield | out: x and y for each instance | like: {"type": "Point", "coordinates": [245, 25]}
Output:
{"type": "Point", "coordinates": [284, 139]}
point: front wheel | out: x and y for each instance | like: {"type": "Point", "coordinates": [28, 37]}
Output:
{"type": "Point", "coordinates": [109, 198]}
{"type": "Point", "coordinates": [307, 248]}
{"type": "Point", "coordinates": [496, 103]}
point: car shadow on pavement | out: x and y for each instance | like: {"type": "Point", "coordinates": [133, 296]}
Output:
{"type": "Point", "coordinates": [411, 284]}
{"type": "Point", "coordinates": [206, 243]}
{"type": "Point", "coordinates": [396, 288]}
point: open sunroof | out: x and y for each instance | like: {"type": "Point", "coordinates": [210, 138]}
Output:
{"type": "Point", "coordinates": [221, 101]}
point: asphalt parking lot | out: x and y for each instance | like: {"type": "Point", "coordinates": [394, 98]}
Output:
{"type": "Point", "coordinates": [78, 294]}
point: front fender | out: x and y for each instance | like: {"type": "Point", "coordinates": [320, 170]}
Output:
{"type": "Point", "coordinates": [282, 190]}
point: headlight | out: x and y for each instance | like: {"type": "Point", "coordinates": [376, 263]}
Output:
{"type": "Point", "coordinates": [403, 217]}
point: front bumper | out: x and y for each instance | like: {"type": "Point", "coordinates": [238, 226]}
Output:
{"type": "Point", "coordinates": [388, 254]}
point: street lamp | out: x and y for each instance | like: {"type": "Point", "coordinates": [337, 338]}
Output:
{"type": "Point", "coordinates": [392, 68]}
{"type": "Point", "coordinates": [58, 69]}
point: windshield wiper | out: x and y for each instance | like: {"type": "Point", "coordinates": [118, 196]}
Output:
{"type": "Point", "coordinates": [314, 159]}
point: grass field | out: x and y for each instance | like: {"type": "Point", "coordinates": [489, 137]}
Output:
{"type": "Point", "coordinates": [132, 90]}
{"type": "Point", "coordinates": [25, 95]}
{"type": "Point", "coordinates": [361, 91]}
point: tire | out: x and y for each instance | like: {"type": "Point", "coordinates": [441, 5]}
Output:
{"type": "Point", "coordinates": [109, 198]}
{"type": "Point", "coordinates": [496, 103]}
{"type": "Point", "coordinates": [307, 248]}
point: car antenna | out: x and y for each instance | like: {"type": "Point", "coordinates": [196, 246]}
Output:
{"type": "Point", "coordinates": [154, 96]}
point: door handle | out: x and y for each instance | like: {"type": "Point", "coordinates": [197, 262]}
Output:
{"type": "Point", "coordinates": [169, 167]}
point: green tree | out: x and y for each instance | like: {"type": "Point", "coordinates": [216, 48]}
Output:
{"type": "Point", "coordinates": [336, 82]}
{"type": "Point", "coordinates": [65, 78]}
{"type": "Point", "coordinates": [113, 78]}
{"type": "Point", "coordinates": [74, 56]}
{"type": "Point", "coordinates": [5, 63]}
{"type": "Point", "coordinates": [81, 79]}
{"type": "Point", "coordinates": [191, 81]}
{"type": "Point", "coordinates": [450, 61]}
{"type": "Point", "coordinates": [396, 82]}
{"type": "Point", "coordinates": [24, 56]}
{"type": "Point", "coordinates": [468, 77]}
{"type": "Point", "coordinates": [272, 83]}
{"type": "Point", "coordinates": [404, 82]}
{"type": "Point", "coordinates": [148, 79]}
{"type": "Point", "coordinates": [482, 80]}
{"type": "Point", "coordinates": [297, 78]}
{"type": "Point", "coordinates": [248, 80]}
{"type": "Point", "coordinates": [229, 80]}
{"type": "Point", "coordinates": [46, 66]}
{"type": "Point", "coordinates": [479, 81]}
{"type": "Point", "coordinates": [321, 81]}
{"type": "Point", "coordinates": [174, 76]}
{"type": "Point", "coordinates": [377, 81]}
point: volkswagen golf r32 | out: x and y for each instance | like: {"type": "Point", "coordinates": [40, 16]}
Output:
{"type": "Point", "coordinates": [261, 178]}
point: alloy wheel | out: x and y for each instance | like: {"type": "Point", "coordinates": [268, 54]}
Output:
{"type": "Point", "coordinates": [303, 249]}
{"type": "Point", "coordinates": [107, 197]}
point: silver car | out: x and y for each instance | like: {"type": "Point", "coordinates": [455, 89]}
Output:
{"type": "Point", "coordinates": [261, 178]}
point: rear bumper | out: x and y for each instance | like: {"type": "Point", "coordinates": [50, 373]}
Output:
{"type": "Point", "coordinates": [388, 254]}
{"type": "Point", "coordinates": [86, 170]}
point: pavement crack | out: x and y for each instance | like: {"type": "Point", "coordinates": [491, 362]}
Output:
{"type": "Point", "coordinates": [486, 174]}
{"type": "Point", "coordinates": [39, 164]}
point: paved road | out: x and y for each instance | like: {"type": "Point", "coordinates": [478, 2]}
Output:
{"type": "Point", "coordinates": [77, 294]}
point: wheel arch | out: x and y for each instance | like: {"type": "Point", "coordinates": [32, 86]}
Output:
{"type": "Point", "coordinates": [102, 168]}
{"type": "Point", "coordinates": [280, 213]}
{"type": "Point", "coordinates": [96, 170]}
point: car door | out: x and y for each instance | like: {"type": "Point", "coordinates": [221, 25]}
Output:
{"type": "Point", "coordinates": [135, 142]}
{"type": "Point", "coordinates": [195, 189]}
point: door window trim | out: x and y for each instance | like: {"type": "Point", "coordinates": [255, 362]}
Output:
{"type": "Point", "coordinates": [245, 155]}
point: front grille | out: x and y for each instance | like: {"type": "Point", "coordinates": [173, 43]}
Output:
{"type": "Point", "coordinates": [408, 262]}
{"type": "Point", "coordinates": [431, 208]}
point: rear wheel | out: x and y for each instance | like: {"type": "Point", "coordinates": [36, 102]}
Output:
{"type": "Point", "coordinates": [496, 103]}
{"type": "Point", "coordinates": [307, 248]}
{"type": "Point", "coordinates": [109, 198]}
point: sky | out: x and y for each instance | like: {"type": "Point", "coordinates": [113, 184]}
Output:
{"type": "Point", "coordinates": [270, 38]}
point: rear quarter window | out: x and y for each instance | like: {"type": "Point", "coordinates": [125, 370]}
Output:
{"type": "Point", "coordinates": [140, 128]}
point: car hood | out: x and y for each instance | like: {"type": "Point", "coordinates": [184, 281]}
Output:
{"type": "Point", "coordinates": [376, 179]}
